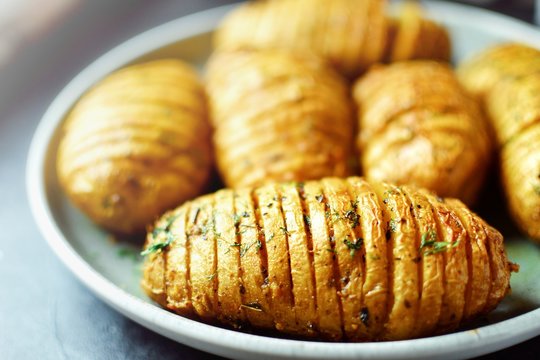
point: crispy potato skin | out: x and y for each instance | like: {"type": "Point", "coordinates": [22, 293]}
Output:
{"type": "Point", "coordinates": [349, 34]}
{"type": "Point", "coordinates": [506, 78]}
{"type": "Point", "coordinates": [278, 117]}
{"type": "Point", "coordinates": [413, 129]}
{"type": "Point", "coordinates": [336, 259]}
{"type": "Point", "coordinates": [412, 36]}
{"type": "Point", "coordinates": [135, 145]}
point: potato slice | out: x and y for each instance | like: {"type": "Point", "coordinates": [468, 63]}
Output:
{"type": "Point", "coordinates": [201, 231]}
{"type": "Point", "coordinates": [301, 258]}
{"type": "Point", "coordinates": [271, 222]}
{"type": "Point", "coordinates": [403, 254]}
{"type": "Point", "coordinates": [431, 263]}
{"type": "Point", "coordinates": [373, 307]}
{"type": "Point", "coordinates": [329, 310]}
{"type": "Point", "coordinates": [253, 268]}
{"type": "Point", "coordinates": [348, 245]}
{"type": "Point", "coordinates": [479, 269]}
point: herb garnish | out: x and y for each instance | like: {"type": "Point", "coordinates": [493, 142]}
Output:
{"type": "Point", "coordinates": [429, 240]}
{"type": "Point", "coordinates": [319, 198]}
{"type": "Point", "coordinates": [353, 246]}
{"type": "Point", "coordinates": [158, 246]}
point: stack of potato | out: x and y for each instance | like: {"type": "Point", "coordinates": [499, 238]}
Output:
{"type": "Point", "coordinates": [506, 79]}
{"type": "Point", "coordinates": [295, 244]}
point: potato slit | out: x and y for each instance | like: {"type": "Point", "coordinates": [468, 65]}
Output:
{"type": "Point", "coordinates": [286, 233]}
{"type": "Point", "coordinates": [335, 267]}
{"type": "Point", "coordinates": [188, 261]}
{"type": "Point", "coordinates": [358, 252]}
{"type": "Point", "coordinates": [419, 255]}
{"type": "Point", "coordinates": [307, 227]}
{"type": "Point", "coordinates": [389, 257]}
{"type": "Point", "coordinates": [177, 290]}
{"type": "Point", "coordinates": [259, 223]}
{"type": "Point", "coordinates": [238, 240]}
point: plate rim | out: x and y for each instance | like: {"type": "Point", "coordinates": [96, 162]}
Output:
{"type": "Point", "coordinates": [229, 342]}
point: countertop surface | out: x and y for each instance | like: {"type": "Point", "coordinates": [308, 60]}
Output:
{"type": "Point", "coordinates": [45, 313]}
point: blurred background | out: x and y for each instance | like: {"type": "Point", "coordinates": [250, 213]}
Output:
{"type": "Point", "coordinates": [43, 44]}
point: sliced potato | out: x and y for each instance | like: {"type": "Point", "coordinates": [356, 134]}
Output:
{"type": "Point", "coordinates": [339, 259]}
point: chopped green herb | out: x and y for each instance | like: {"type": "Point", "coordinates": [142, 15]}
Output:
{"type": "Point", "coordinates": [245, 247]}
{"type": "Point", "coordinates": [331, 250]}
{"type": "Point", "coordinates": [319, 198]}
{"type": "Point", "coordinates": [392, 225]}
{"type": "Point", "coordinates": [307, 219]}
{"type": "Point", "coordinates": [353, 246]}
{"type": "Point", "coordinates": [284, 229]}
{"type": "Point", "coordinates": [431, 246]}
{"type": "Point", "coordinates": [270, 238]}
{"type": "Point", "coordinates": [158, 246]}
{"type": "Point", "coordinates": [245, 214]}
{"type": "Point", "coordinates": [353, 217]}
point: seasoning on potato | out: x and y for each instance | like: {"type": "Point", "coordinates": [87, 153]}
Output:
{"type": "Point", "coordinates": [482, 71]}
{"type": "Point", "coordinates": [413, 36]}
{"type": "Point", "coordinates": [350, 34]}
{"type": "Point", "coordinates": [136, 144]}
{"type": "Point", "coordinates": [278, 116]}
{"type": "Point", "coordinates": [339, 259]}
{"type": "Point", "coordinates": [508, 81]}
{"type": "Point", "coordinates": [417, 126]}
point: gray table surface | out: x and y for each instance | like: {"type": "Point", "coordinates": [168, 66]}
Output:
{"type": "Point", "coordinates": [45, 313]}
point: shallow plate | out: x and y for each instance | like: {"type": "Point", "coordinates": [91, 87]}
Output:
{"type": "Point", "coordinates": [112, 269]}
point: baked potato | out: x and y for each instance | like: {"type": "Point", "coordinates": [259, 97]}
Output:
{"type": "Point", "coordinates": [514, 107]}
{"type": "Point", "coordinates": [417, 126]}
{"type": "Point", "coordinates": [278, 116]}
{"type": "Point", "coordinates": [339, 259]}
{"type": "Point", "coordinates": [413, 36]}
{"type": "Point", "coordinates": [506, 79]}
{"type": "Point", "coordinates": [136, 144]}
{"type": "Point", "coordinates": [480, 73]}
{"type": "Point", "coordinates": [350, 34]}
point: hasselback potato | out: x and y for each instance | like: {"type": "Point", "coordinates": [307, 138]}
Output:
{"type": "Point", "coordinates": [335, 258]}
{"type": "Point", "coordinates": [278, 116]}
{"type": "Point", "coordinates": [136, 144]}
{"type": "Point", "coordinates": [481, 72]}
{"type": "Point", "coordinates": [417, 126]}
{"type": "Point", "coordinates": [512, 100]}
{"type": "Point", "coordinates": [350, 34]}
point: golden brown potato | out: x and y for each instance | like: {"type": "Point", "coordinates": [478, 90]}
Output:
{"type": "Point", "coordinates": [506, 77]}
{"type": "Point", "coordinates": [350, 34]}
{"type": "Point", "coordinates": [340, 259]}
{"type": "Point", "coordinates": [136, 144]}
{"type": "Point", "coordinates": [412, 36]}
{"type": "Point", "coordinates": [278, 116]}
{"type": "Point", "coordinates": [416, 126]}
{"type": "Point", "coordinates": [482, 71]}
{"type": "Point", "coordinates": [514, 107]}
